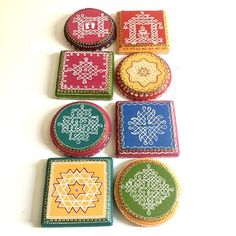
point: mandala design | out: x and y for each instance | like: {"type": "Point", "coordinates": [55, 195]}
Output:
{"type": "Point", "coordinates": [147, 125]}
{"type": "Point", "coordinates": [138, 33]}
{"type": "Point", "coordinates": [148, 189]}
{"type": "Point", "coordinates": [143, 72]}
{"type": "Point", "coordinates": [85, 70]}
{"type": "Point", "coordinates": [87, 25]}
{"type": "Point", "coordinates": [80, 124]}
{"type": "Point", "coordinates": [77, 190]}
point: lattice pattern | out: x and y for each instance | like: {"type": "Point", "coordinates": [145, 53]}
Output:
{"type": "Point", "coordinates": [77, 190]}
{"type": "Point", "coordinates": [87, 25]}
{"type": "Point", "coordinates": [147, 125]}
{"type": "Point", "coordinates": [143, 72]}
{"type": "Point", "coordinates": [138, 33]}
{"type": "Point", "coordinates": [80, 124]}
{"type": "Point", "coordinates": [85, 70]}
{"type": "Point", "coordinates": [148, 189]}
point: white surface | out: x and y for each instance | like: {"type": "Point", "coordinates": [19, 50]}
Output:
{"type": "Point", "coordinates": [202, 60]}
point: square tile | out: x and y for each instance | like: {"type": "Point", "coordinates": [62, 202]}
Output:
{"type": "Point", "coordinates": [142, 31]}
{"type": "Point", "coordinates": [85, 75]}
{"type": "Point", "coordinates": [78, 192]}
{"type": "Point", "coordinates": [146, 129]}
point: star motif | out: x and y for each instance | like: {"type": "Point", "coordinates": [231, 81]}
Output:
{"type": "Point", "coordinates": [143, 72]}
{"type": "Point", "coordinates": [76, 189]}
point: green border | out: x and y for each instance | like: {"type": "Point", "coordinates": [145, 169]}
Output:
{"type": "Point", "coordinates": [77, 222]}
{"type": "Point", "coordinates": [86, 94]}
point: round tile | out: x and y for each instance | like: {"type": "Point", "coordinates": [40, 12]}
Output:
{"type": "Point", "coordinates": [146, 192]}
{"type": "Point", "coordinates": [90, 30]}
{"type": "Point", "coordinates": [80, 129]}
{"type": "Point", "coordinates": [143, 76]}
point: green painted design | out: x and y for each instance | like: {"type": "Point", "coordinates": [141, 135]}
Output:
{"type": "Point", "coordinates": [148, 190]}
{"type": "Point", "coordinates": [79, 126]}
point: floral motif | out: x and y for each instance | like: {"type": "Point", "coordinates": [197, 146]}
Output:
{"type": "Point", "coordinates": [143, 72]}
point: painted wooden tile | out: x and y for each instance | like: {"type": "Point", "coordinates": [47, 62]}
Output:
{"type": "Point", "coordinates": [142, 31]}
{"type": "Point", "coordinates": [146, 129]}
{"type": "Point", "coordinates": [146, 192]}
{"type": "Point", "coordinates": [90, 29]}
{"type": "Point", "coordinates": [78, 192]}
{"type": "Point", "coordinates": [143, 76]}
{"type": "Point", "coordinates": [85, 75]}
{"type": "Point", "coordinates": [80, 129]}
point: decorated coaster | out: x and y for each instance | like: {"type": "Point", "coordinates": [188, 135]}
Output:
{"type": "Point", "coordinates": [78, 192]}
{"type": "Point", "coordinates": [143, 76]}
{"type": "Point", "coordinates": [90, 29]}
{"type": "Point", "coordinates": [80, 129]}
{"type": "Point", "coordinates": [85, 75]}
{"type": "Point", "coordinates": [146, 192]}
{"type": "Point", "coordinates": [142, 31]}
{"type": "Point", "coordinates": [146, 129]}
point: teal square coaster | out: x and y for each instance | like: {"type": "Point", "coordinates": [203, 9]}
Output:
{"type": "Point", "coordinates": [78, 192]}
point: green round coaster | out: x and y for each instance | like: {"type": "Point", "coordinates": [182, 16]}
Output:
{"type": "Point", "coordinates": [146, 192]}
{"type": "Point", "coordinates": [80, 129]}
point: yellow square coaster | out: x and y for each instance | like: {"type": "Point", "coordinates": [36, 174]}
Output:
{"type": "Point", "coordinates": [77, 192]}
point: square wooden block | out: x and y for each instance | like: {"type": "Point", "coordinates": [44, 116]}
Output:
{"type": "Point", "coordinates": [142, 31]}
{"type": "Point", "coordinates": [78, 192]}
{"type": "Point", "coordinates": [85, 75]}
{"type": "Point", "coordinates": [146, 129]}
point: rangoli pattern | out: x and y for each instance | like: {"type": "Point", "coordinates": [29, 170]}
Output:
{"type": "Point", "coordinates": [85, 70]}
{"type": "Point", "coordinates": [76, 190]}
{"type": "Point", "coordinates": [138, 32]}
{"type": "Point", "coordinates": [87, 25]}
{"type": "Point", "coordinates": [80, 124]}
{"type": "Point", "coordinates": [147, 125]}
{"type": "Point", "coordinates": [148, 189]}
{"type": "Point", "coordinates": [143, 72]}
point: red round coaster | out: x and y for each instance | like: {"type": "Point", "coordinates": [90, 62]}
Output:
{"type": "Point", "coordinates": [80, 129]}
{"type": "Point", "coordinates": [90, 29]}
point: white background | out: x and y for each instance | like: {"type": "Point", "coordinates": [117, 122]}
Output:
{"type": "Point", "coordinates": [202, 60]}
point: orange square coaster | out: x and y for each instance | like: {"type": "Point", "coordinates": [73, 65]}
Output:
{"type": "Point", "coordinates": [78, 192]}
{"type": "Point", "coordinates": [142, 31]}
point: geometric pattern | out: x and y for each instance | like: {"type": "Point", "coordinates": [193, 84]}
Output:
{"type": "Point", "coordinates": [148, 189]}
{"type": "Point", "coordinates": [147, 125]}
{"type": "Point", "coordinates": [85, 70]}
{"type": "Point", "coordinates": [143, 72]}
{"type": "Point", "coordinates": [138, 33]}
{"type": "Point", "coordinates": [80, 124]}
{"type": "Point", "coordinates": [88, 25]}
{"type": "Point", "coordinates": [76, 190]}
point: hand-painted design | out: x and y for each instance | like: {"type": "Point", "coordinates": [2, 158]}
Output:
{"type": "Point", "coordinates": [87, 25]}
{"type": "Point", "coordinates": [77, 190]}
{"type": "Point", "coordinates": [148, 189]}
{"type": "Point", "coordinates": [143, 72]}
{"type": "Point", "coordinates": [80, 124]}
{"type": "Point", "coordinates": [139, 23]}
{"type": "Point", "coordinates": [85, 70]}
{"type": "Point", "coordinates": [147, 125]}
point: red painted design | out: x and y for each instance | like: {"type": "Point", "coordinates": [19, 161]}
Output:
{"type": "Point", "coordinates": [89, 25]}
{"type": "Point", "coordinates": [85, 71]}
{"type": "Point", "coordinates": [143, 27]}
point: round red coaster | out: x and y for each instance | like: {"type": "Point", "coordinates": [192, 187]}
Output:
{"type": "Point", "coordinates": [90, 30]}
